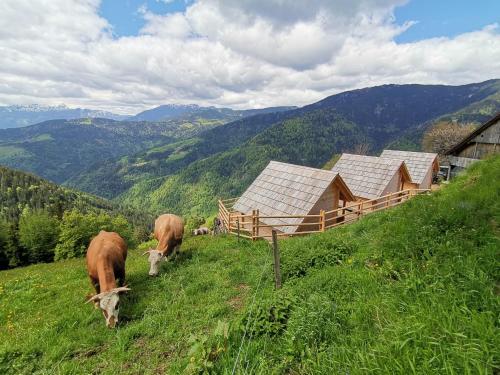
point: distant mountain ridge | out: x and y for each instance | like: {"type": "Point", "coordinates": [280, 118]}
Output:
{"type": "Point", "coordinates": [172, 111]}
{"type": "Point", "coordinates": [16, 116]}
{"type": "Point", "coordinates": [62, 149]}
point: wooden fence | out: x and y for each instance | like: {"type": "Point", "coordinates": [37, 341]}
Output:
{"type": "Point", "coordinates": [252, 225]}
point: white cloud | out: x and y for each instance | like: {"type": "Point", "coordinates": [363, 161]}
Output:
{"type": "Point", "coordinates": [224, 52]}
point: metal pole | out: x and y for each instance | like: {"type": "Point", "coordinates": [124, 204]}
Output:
{"type": "Point", "coordinates": [276, 253]}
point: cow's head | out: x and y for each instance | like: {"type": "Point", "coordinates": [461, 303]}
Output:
{"type": "Point", "coordinates": [109, 303]}
{"type": "Point", "coordinates": [154, 259]}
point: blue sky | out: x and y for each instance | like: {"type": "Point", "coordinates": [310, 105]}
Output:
{"type": "Point", "coordinates": [125, 17]}
{"type": "Point", "coordinates": [435, 18]}
{"type": "Point", "coordinates": [448, 18]}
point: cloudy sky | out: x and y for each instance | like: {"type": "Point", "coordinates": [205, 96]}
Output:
{"type": "Point", "coordinates": [129, 55]}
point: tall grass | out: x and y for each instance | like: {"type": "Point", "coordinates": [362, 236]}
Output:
{"type": "Point", "coordinates": [410, 290]}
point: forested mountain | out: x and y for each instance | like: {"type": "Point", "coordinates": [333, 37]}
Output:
{"type": "Point", "coordinates": [20, 191]}
{"type": "Point", "coordinates": [188, 176]}
{"type": "Point", "coordinates": [62, 149]}
{"type": "Point", "coordinates": [184, 163]}
{"type": "Point", "coordinates": [16, 116]}
{"type": "Point", "coordinates": [172, 111]}
{"type": "Point", "coordinates": [32, 210]}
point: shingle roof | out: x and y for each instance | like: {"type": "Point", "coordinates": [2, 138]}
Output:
{"type": "Point", "coordinates": [285, 189]}
{"type": "Point", "coordinates": [418, 163]}
{"type": "Point", "coordinates": [366, 176]}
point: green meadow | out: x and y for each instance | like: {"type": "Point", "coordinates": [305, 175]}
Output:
{"type": "Point", "coordinates": [414, 289]}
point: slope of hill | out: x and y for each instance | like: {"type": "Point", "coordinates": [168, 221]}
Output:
{"type": "Point", "coordinates": [369, 118]}
{"type": "Point", "coordinates": [114, 177]}
{"type": "Point", "coordinates": [16, 116]}
{"type": "Point", "coordinates": [411, 289]}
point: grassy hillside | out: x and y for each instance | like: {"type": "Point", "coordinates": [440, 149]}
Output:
{"type": "Point", "coordinates": [410, 290]}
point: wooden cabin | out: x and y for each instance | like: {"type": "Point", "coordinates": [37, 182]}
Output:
{"type": "Point", "coordinates": [482, 142]}
{"type": "Point", "coordinates": [371, 177]}
{"type": "Point", "coordinates": [423, 166]}
{"type": "Point", "coordinates": [292, 190]}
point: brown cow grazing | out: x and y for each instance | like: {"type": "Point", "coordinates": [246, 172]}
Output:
{"type": "Point", "coordinates": [169, 230]}
{"type": "Point", "coordinates": [106, 258]}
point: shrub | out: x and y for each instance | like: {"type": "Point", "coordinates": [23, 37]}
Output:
{"type": "Point", "coordinates": [77, 230]}
{"type": "Point", "coordinates": [38, 233]}
{"type": "Point", "coordinates": [269, 317]}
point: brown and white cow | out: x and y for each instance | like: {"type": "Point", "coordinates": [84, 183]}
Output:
{"type": "Point", "coordinates": [106, 258]}
{"type": "Point", "coordinates": [169, 230]}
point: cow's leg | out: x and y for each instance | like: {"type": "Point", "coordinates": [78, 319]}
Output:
{"type": "Point", "coordinates": [120, 277]}
{"type": "Point", "coordinates": [97, 287]}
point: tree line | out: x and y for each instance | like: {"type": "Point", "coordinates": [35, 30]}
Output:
{"type": "Point", "coordinates": [41, 221]}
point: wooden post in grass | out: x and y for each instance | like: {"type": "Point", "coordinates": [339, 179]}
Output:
{"type": "Point", "coordinates": [238, 226]}
{"type": "Point", "coordinates": [253, 225]}
{"type": "Point", "coordinates": [257, 223]}
{"type": "Point", "coordinates": [322, 220]}
{"type": "Point", "coordinates": [276, 253]}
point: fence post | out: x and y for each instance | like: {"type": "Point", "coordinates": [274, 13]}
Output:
{"type": "Point", "coordinates": [238, 225]}
{"type": "Point", "coordinates": [277, 269]}
{"type": "Point", "coordinates": [257, 223]}
{"type": "Point", "coordinates": [229, 222]}
{"type": "Point", "coordinates": [253, 225]}
{"type": "Point", "coordinates": [360, 208]}
{"type": "Point", "coordinates": [322, 220]}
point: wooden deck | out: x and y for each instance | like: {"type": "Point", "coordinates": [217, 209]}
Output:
{"type": "Point", "coordinates": [253, 226]}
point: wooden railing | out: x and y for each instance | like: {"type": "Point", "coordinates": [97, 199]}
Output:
{"type": "Point", "coordinates": [252, 225]}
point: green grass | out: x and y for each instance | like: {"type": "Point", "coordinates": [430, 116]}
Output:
{"type": "Point", "coordinates": [46, 326]}
{"type": "Point", "coordinates": [410, 290]}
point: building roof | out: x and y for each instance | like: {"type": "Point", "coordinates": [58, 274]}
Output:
{"type": "Point", "coordinates": [460, 146]}
{"type": "Point", "coordinates": [285, 189]}
{"type": "Point", "coordinates": [418, 163]}
{"type": "Point", "coordinates": [368, 176]}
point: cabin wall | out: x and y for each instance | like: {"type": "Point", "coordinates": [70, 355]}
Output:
{"type": "Point", "coordinates": [427, 181]}
{"type": "Point", "coordinates": [484, 144]}
{"type": "Point", "coordinates": [328, 201]}
{"type": "Point", "coordinates": [394, 184]}
{"type": "Point", "coordinates": [410, 185]}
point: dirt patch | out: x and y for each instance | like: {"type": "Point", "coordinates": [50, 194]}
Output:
{"type": "Point", "coordinates": [237, 301]}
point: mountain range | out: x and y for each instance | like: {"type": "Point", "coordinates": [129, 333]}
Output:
{"type": "Point", "coordinates": [195, 154]}
{"type": "Point", "coordinates": [187, 176]}
{"type": "Point", "coordinates": [17, 116]}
